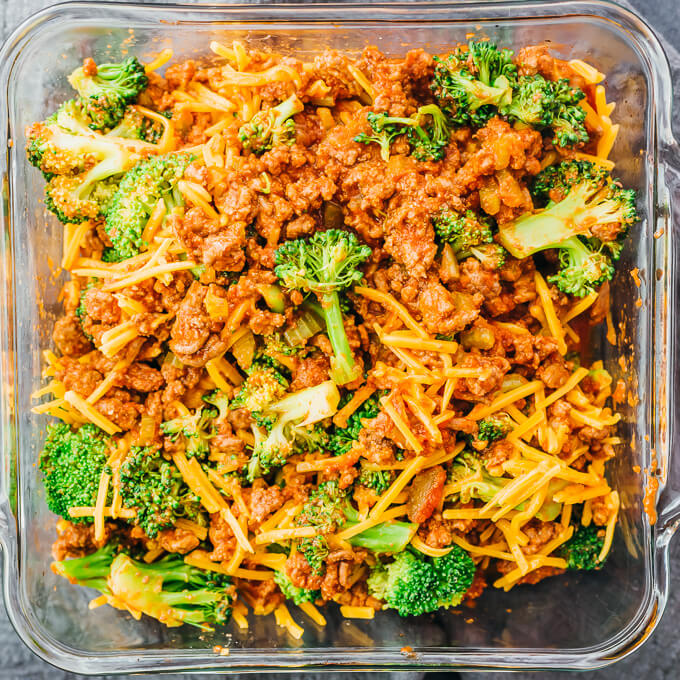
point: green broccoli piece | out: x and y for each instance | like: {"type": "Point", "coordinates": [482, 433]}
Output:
{"type": "Point", "coordinates": [263, 386]}
{"type": "Point", "coordinates": [462, 232]}
{"type": "Point", "coordinates": [168, 590]}
{"type": "Point", "coordinates": [491, 255]}
{"type": "Point", "coordinates": [271, 126]}
{"type": "Point", "coordinates": [81, 312]}
{"type": "Point", "coordinates": [83, 170]}
{"type": "Point", "coordinates": [428, 141]}
{"type": "Point", "coordinates": [196, 430]}
{"type": "Point", "coordinates": [315, 551]}
{"type": "Point", "coordinates": [340, 440]}
{"type": "Point", "coordinates": [495, 427]}
{"type": "Point", "coordinates": [470, 85]}
{"type": "Point", "coordinates": [582, 550]}
{"type": "Point", "coordinates": [291, 592]}
{"type": "Point", "coordinates": [220, 401]}
{"type": "Point", "coordinates": [135, 125]}
{"type": "Point", "coordinates": [106, 94]}
{"type": "Point", "coordinates": [72, 462]}
{"type": "Point", "coordinates": [289, 421]}
{"type": "Point", "coordinates": [415, 584]}
{"type": "Point", "coordinates": [592, 198]}
{"type": "Point", "coordinates": [549, 105]}
{"type": "Point", "coordinates": [154, 486]}
{"type": "Point", "coordinates": [328, 508]}
{"type": "Point", "coordinates": [139, 192]}
{"type": "Point", "coordinates": [90, 571]}
{"type": "Point", "coordinates": [378, 480]}
{"type": "Point", "coordinates": [325, 265]}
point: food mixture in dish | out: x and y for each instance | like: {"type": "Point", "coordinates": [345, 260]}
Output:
{"type": "Point", "coordinates": [322, 337]}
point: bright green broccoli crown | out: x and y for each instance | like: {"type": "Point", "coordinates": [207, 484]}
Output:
{"type": "Point", "coordinates": [172, 591]}
{"type": "Point", "coordinates": [139, 192]}
{"type": "Point", "coordinates": [582, 550]}
{"type": "Point", "coordinates": [549, 105]}
{"type": "Point", "coordinates": [220, 401]}
{"type": "Point", "coordinates": [495, 427]}
{"type": "Point", "coordinates": [472, 479]}
{"type": "Point", "coordinates": [135, 125]}
{"type": "Point", "coordinates": [72, 462]}
{"type": "Point", "coordinates": [315, 551]}
{"type": "Point", "coordinates": [582, 269]}
{"type": "Point", "coordinates": [378, 480]}
{"type": "Point", "coordinates": [568, 123]}
{"type": "Point", "coordinates": [106, 94]}
{"type": "Point", "coordinates": [341, 439]}
{"type": "Point", "coordinates": [415, 584]}
{"type": "Point", "coordinates": [154, 486]}
{"type": "Point", "coordinates": [428, 132]}
{"type": "Point", "coordinates": [463, 232]}
{"type": "Point", "coordinates": [291, 592]}
{"type": "Point", "coordinates": [195, 429]}
{"type": "Point", "coordinates": [470, 85]}
{"type": "Point", "coordinates": [586, 198]}
{"type": "Point", "coordinates": [290, 424]}
{"type": "Point", "coordinates": [553, 183]}
{"type": "Point", "coordinates": [533, 102]}
{"type": "Point", "coordinates": [385, 130]}
{"type": "Point", "coordinates": [263, 386]}
{"type": "Point", "coordinates": [91, 571]}
{"type": "Point", "coordinates": [271, 127]}
{"type": "Point", "coordinates": [326, 264]}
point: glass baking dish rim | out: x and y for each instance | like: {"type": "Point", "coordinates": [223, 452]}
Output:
{"type": "Point", "coordinates": [665, 150]}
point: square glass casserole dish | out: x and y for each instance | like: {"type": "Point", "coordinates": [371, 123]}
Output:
{"type": "Point", "coordinates": [577, 622]}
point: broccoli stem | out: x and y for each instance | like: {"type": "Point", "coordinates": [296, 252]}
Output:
{"type": "Point", "coordinates": [343, 367]}
{"type": "Point", "coordinates": [384, 538]}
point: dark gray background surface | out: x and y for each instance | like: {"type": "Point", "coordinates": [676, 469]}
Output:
{"type": "Point", "coordinates": [658, 659]}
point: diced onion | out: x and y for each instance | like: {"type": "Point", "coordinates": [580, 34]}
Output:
{"type": "Point", "coordinates": [244, 350]}
{"type": "Point", "coordinates": [147, 430]}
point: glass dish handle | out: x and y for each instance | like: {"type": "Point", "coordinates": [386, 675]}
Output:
{"type": "Point", "coordinates": [668, 506]}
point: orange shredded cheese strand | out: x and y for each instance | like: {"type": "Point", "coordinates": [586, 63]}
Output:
{"type": "Point", "coordinates": [90, 413]}
{"type": "Point", "coordinates": [388, 301]}
{"type": "Point", "coordinates": [358, 398]}
{"type": "Point", "coordinates": [102, 491]}
{"type": "Point", "coordinates": [506, 399]}
{"type": "Point", "coordinates": [401, 425]}
{"type": "Point", "coordinates": [424, 548]}
{"type": "Point", "coordinates": [285, 534]}
{"type": "Point", "coordinates": [285, 620]}
{"type": "Point", "coordinates": [350, 612]}
{"type": "Point", "coordinates": [549, 310]}
{"type": "Point", "coordinates": [313, 613]}
{"type": "Point", "coordinates": [397, 486]}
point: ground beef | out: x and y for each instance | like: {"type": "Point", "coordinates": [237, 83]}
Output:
{"type": "Point", "coordinates": [310, 371]}
{"type": "Point", "coordinates": [69, 338]}
{"type": "Point", "coordinates": [177, 540]}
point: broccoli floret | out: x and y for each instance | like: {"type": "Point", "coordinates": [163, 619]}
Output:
{"type": "Point", "coordinates": [196, 430]}
{"type": "Point", "coordinates": [135, 125]}
{"type": "Point", "coordinates": [315, 551]}
{"type": "Point", "coordinates": [340, 439]}
{"type": "Point", "coordinates": [491, 255]}
{"type": "Point", "coordinates": [549, 105]}
{"type": "Point", "coordinates": [495, 427]}
{"type": "Point", "coordinates": [470, 85]}
{"type": "Point", "coordinates": [83, 169]}
{"type": "Point", "coordinates": [290, 419]}
{"type": "Point", "coordinates": [428, 140]}
{"type": "Point", "coordinates": [271, 126]}
{"type": "Point", "coordinates": [220, 401]}
{"type": "Point", "coordinates": [325, 508]}
{"type": "Point", "coordinates": [291, 592]}
{"type": "Point", "coordinates": [325, 265]}
{"type": "Point", "coordinates": [263, 386]}
{"type": "Point", "coordinates": [378, 480]}
{"type": "Point", "coordinates": [72, 462]}
{"type": "Point", "coordinates": [154, 486]}
{"type": "Point", "coordinates": [168, 590]}
{"type": "Point", "coordinates": [463, 232]}
{"type": "Point", "coordinates": [415, 584]}
{"type": "Point", "coordinates": [137, 196]}
{"type": "Point", "coordinates": [106, 94]}
{"type": "Point", "coordinates": [328, 508]}
{"type": "Point", "coordinates": [90, 571]}
{"type": "Point", "coordinates": [592, 198]}
{"type": "Point", "coordinates": [582, 550]}
{"type": "Point", "coordinates": [81, 312]}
